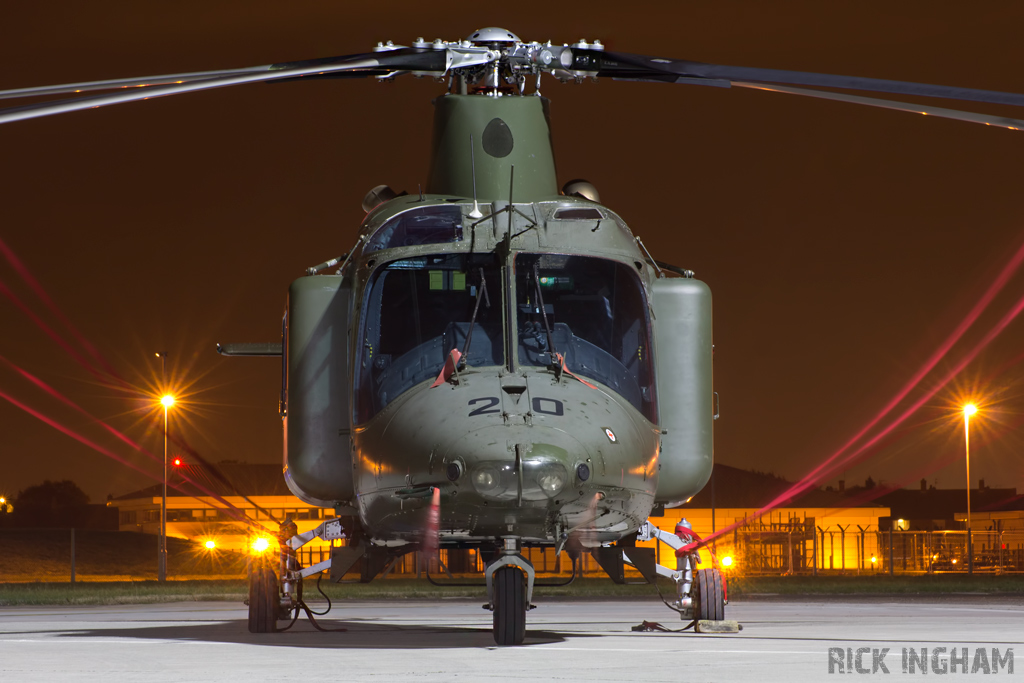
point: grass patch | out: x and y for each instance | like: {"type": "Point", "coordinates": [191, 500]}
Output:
{"type": "Point", "coordinates": [119, 592]}
{"type": "Point", "coordinates": [144, 592]}
{"type": "Point", "coordinates": [45, 555]}
{"type": "Point", "coordinates": [881, 584]}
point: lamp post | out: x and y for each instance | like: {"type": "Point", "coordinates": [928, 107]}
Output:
{"type": "Point", "coordinates": [969, 409]}
{"type": "Point", "coordinates": [161, 550]}
{"type": "Point", "coordinates": [167, 401]}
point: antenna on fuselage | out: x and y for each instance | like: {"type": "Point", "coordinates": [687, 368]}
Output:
{"type": "Point", "coordinates": [511, 184]}
{"type": "Point", "coordinates": [475, 213]}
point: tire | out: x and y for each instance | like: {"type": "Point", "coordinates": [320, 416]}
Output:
{"type": "Point", "coordinates": [710, 602]}
{"type": "Point", "coordinates": [509, 606]}
{"type": "Point", "coordinates": [263, 601]}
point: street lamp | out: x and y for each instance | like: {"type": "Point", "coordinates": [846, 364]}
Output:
{"type": "Point", "coordinates": [167, 400]}
{"type": "Point", "coordinates": [969, 409]}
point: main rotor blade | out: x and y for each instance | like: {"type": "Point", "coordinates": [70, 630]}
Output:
{"type": "Point", "coordinates": [374, 63]}
{"type": "Point", "coordinates": [971, 117]}
{"type": "Point", "coordinates": [630, 65]}
{"type": "Point", "coordinates": [88, 86]}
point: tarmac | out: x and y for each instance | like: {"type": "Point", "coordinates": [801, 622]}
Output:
{"type": "Point", "coordinates": [783, 639]}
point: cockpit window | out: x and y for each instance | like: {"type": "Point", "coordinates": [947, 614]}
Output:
{"type": "Point", "coordinates": [417, 311]}
{"type": "Point", "coordinates": [593, 313]}
{"type": "Point", "coordinates": [423, 225]}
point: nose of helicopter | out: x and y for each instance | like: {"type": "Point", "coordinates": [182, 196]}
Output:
{"type": "Point", "coordinates": [504, 463]}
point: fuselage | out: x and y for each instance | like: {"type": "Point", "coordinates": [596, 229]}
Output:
{"type": "Point", "coordinates": [548, 426]}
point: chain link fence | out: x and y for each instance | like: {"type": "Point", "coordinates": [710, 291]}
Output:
{"type": "Point", "coordinates": [802, 548]}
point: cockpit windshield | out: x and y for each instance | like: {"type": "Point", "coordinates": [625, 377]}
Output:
{"type": "Point", "coordinates": [417, 311]}
{"type": "Point", "coordinates": [592, 312]}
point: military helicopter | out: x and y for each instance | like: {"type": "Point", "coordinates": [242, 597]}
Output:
{"type": "Point", "coordinates": [497, 363]}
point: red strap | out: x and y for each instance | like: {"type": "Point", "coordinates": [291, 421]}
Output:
{"type": "Point", "coordinates": [695, 545]}
{"type": "Point", "coordinates": [690, 547]}
{"type": "Point", "coordinates": [449, 368]}
{"type": "Point", "coordinates": [561, 361]}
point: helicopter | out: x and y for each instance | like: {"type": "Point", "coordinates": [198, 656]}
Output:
{"type": "Point", "coordinates": [496, 363]}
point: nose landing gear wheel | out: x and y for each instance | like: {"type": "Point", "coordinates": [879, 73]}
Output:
{"type": "Point", "coordinates": [710, 599]}
{"type": "Point", "coordinates": [509, 607]}
{"type": "Point", "coordinates": [263, 601]}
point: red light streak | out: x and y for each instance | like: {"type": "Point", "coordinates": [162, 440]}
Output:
{"type": "Point", "coordinates": [29, 279]}
{"type": "Point", "coordinates": [997, 285]}
{"type": "Point", "coordinates": [835, 462]}
{"type": "Point", "coordinates": [57, 339]}
{"type": "Point", "coordinates": [231, 509]}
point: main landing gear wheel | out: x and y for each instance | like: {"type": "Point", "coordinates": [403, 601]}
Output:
{"type": "Point", "coordinates": [710, 602]}
{"type": "Point", "coordinates": [263, 601]}
{"type": "Point", "coordinates": [509, 606]}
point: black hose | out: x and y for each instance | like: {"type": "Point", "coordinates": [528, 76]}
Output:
{"type": "Point", "coordinates": [300, 604]}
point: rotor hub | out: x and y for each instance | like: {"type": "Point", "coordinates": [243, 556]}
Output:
{"type": "Point", "coordinates": [494, 36]}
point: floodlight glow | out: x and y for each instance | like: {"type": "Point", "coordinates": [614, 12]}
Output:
{"type": "Point", "coordinates": [167, 400]}
{"type": "Point", "coordinates": [211, 544]}
{"type": "Point", "coordinates": [970, 409]}
{"type": "Point", "coordinates": [260, 545]}
{"type": "Point", "coordinates": [727, 561]}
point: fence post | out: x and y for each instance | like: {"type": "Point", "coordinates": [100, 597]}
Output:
{"type": "Point", "coordinates": [861, 552]}
{"type": "Point", "coordinates": [999, 540]}
{"type": "Point", "coordinates": [814, 547]}
{"type": "Point", "coordinates": [72, 555]}
{"type": "Point", "coordinates": [842, 544]}
{"type": "Point", "coordinates": [892, 567]}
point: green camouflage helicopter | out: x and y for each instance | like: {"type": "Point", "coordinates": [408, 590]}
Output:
{"type": "Point", "coordinates": [496, 364]}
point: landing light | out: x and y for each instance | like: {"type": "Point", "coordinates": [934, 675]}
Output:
{"type": "Point", "coordinates": [550, 482]}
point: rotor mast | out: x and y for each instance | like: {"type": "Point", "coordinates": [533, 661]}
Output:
{"type": "Point", "coordinates": [509, 130]}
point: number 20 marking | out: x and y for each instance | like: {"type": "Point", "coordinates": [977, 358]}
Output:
{"type": "Point", "coordinates": [488, 407]}
{"type": "Point", "coordinates": [544, 406]}
{"type": "Point", "coordinates": [547, 406]}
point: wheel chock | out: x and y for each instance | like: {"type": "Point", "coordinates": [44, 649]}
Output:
{"type": "Point", "coordinates": [724, 626]}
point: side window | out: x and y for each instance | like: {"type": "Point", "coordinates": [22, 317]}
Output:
{"type": "Point", "coordinates": [424, 225]}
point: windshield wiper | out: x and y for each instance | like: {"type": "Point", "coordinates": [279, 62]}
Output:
{"type": "Point", "coordinates": [552, 352]}
{"type": "Point", "coordinates": [481, 294]}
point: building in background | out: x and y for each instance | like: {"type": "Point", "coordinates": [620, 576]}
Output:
{"type": "Point", "coordinates": [248, 501]}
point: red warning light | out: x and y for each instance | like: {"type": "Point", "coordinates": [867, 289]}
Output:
{"type": "Point", "coordinates": [177, 462]}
